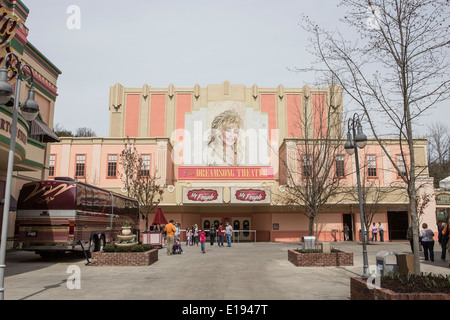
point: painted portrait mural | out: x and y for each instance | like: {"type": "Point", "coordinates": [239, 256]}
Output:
{"type": "Point", "coordinates": [226, 133]}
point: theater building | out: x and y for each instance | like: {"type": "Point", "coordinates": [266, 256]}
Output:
{"type": "Point", "coordinates": [31, 154]}
{"type": "Point", "coordinates": [220, 153]}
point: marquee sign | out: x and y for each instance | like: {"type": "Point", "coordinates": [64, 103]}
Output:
{"type": "Point", "coordinates": [225, 173]}
{"type": "Point", "coordinates": [202, 195]}
{"type": "Point", "coordinates": [250, 195]}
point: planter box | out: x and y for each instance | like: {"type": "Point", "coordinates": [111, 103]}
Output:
{"type": "Point", "coordinates": [360, 291]}
{"type": "Point", "coordinates": [339, 258]}
{"type": "Point", "coordinates": [146, 258]}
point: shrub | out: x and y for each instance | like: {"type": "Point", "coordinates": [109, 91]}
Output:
{"type": "Point", "coordinates": [109, 248]}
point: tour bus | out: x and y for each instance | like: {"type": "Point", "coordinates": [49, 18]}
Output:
{"type": "Point", "coordinates": [54, 216]}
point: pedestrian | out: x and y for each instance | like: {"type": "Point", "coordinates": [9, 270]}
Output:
{"type": "Point", "coordinates": [177, 234]}
{"type": "Point", "coordinates": [163, 234]}
{"type": "Point", "coordinates": [220, 233]}
{"type": "Point", "coordinates": [212, 235]}
{"type": "Point", "coordinates": [409, 236]}
{"type": "Point", "coordinates": [374, 232]}
{"type": "Point", "coordinates": [192, 235]}
{"type": "Point", "coordinates": [177, 247]}
{"type": "Point", "coordinates": [443, 239]}
{"type": "Point", "coordinates": [346, 232]}
{"type": "Point", "coordinates": [381, 231]}
{"type": "Point", "coordinates": [228, 233]}
{"type": "Point", "coordinates": [170, 235]}
{"type": "Point", "coordinates": [202, 236]}
{"type": "Point", "coordinates": [188, 236]}
{"type": "Point", "coordinates": [427, 239]}
{"type": "Point", "coordinates": [196, 234]}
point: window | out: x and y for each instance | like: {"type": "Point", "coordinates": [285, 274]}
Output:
{"type": "Point", "coordinates": [145, 170]}
{"type": "Point", "coordinates": [401, 166]}
{"type": "Point", "coordinates": [371, 166]}
{"type": "Point", "coordinates": [307, 166]}
{"type": "Point", "coordinates": [340, 166]}
{"type": "Point", "coordinates": [80, 165]}
{"type": "Point", "coordinates": [51, 165]}
{"type": "Point", "coordinates": [112, 166]}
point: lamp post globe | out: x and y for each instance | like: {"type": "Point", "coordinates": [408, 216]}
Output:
{"type": "Point", "coordinates": [5, 88]}
{"type": "Point", "coordinates": [349, 148]}
{"type": "Point", "coordinates": [360, 138]}
{"type": "Point", "coordinates": [29, 109]}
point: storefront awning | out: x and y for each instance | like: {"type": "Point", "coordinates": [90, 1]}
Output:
{"type": "Point", "coordinates": [41, 131]}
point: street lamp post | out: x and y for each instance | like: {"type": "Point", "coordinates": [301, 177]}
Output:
{"type": "Point", "coordinates": [357, 140]}
{"type": "Point", "coordinates": [29, 109]}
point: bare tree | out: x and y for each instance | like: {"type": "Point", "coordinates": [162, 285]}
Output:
{"type": "Point", "coordinates": [85, 132]}
{"type": "Point", "coordinates": [140, 182]}
{"type": "Point", "coordinates": [396, 72]}
{"type": "Point", "coordinates": [61, 132]}
{"type": "Point", "coordinates": [314, 167]}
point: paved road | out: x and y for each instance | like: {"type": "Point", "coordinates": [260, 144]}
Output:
{"type": "Point", "coordinates": [245, 271]}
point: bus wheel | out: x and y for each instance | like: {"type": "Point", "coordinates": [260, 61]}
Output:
{"type": "Point", "coordinates": [93, 245]}
{"type": "Point", "coordinates": [102, 242]}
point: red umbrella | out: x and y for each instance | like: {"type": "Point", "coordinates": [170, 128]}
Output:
{"type": "Point", "coordinates": [159, 217]}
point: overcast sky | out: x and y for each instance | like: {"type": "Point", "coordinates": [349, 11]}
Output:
{"type": "Point", "coordinates": [183, 42]}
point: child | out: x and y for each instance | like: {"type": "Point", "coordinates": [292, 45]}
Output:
{"type": "Point", "coordinates": [188, 236]}
{"type": "Point", "coordinates": [177, 247]}
{"type": "Point", "coordinates": [202, 239]}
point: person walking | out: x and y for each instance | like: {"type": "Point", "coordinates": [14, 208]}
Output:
{"type": "Point", "coordinates": [202, 236]}
{"type": "Point", "coordinates": [196, 234]}
{"type": "Point", "coordinates": [170, 236]}
{"type": "Point", "coordinates": [228, 233]}
{"type": "Point", "coordinates": [188, 236]}
{"type": "Point", "coordinates": [426, 237]}
{"type": "Point", "coordinates": [212, 235]}
{"type": "Point", "coordinates": [381, 231]}
{"type": "Point", "coordinates": [443, 239]}
{"type": "Point", "coordinates": [374, 232]}
{"type": "Point", "coordinates": [409, 236]}
{"type": "Point", "coordinates": [346, 232]}
{"type": "Point", "coordinates": [220, 233]}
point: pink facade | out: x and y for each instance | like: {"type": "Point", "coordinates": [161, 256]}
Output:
{"type": "Point", "coordinates": [174, 128]}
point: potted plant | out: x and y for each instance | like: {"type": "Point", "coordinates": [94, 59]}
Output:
{"type": "Point", "coordinates": [126, 228]}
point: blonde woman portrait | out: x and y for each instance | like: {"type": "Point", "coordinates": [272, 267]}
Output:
{"type": "Point", "coordinates": [223, 147]}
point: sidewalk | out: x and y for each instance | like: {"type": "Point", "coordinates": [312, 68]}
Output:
{"type": "Point", "coordinates": [245, 271]}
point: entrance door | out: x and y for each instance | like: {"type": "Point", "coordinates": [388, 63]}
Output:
{"type": "Point", "coordinates": [398, 224]}
{"type": "Point", "coordinates": [347, 219]}
{"type": "Point", "coordinates": [207, 223]}
{"type": "Point", "coordinates": [242, 224]}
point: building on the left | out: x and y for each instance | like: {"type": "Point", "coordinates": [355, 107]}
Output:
{"type": "Point", "coordinates": [31, 156]}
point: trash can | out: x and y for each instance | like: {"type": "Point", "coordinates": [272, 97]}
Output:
{"type": "Point", "coordinates": [309, 242]}
{"type": "Point", "coordinates": [382, 266]}
{"type": "Point", "coordinates": [405, 263]}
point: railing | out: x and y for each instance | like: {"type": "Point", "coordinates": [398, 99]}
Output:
{"type": "Point", "coordinates": [238, 232]}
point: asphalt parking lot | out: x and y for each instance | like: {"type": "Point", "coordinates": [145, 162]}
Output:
{"type": "Point", "coordinates": [246, 271]}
